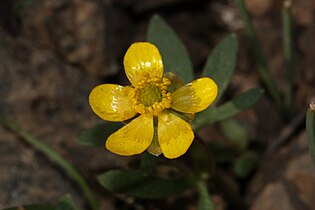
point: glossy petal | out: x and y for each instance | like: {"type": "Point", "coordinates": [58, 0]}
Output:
{"type": "Point", "coordinates": [195, 96]}
{"type": "Point", "coordinates": [133, 138]}
{"type": "Point", "coordinates": [142, 59]}
{"type": "Point", "coordinates": [110, 102]}
{"type": "Point", "coordinates": [175, 135]}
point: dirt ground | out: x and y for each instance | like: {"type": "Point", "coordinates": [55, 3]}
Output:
{"type": "Point", "coordinates": [53, 52]}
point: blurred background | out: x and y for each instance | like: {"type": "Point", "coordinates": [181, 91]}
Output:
{"type": "Point", "coordinates": [53, 52]}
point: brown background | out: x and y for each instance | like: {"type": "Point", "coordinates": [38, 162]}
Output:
{"type": "Point", "coordinates": [53, 52]}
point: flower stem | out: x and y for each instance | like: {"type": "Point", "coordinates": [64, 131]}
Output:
{"type": "Point", "coordinates": [288, 55]}
{"type": "Point", "coordinates": [204, 202]}
{"type": "Point", "coordinates": [228, 190]}
{"type": "Point", "coordinates": [310, 129]}
{"type": "Point", "coordinates": [217, 178]}
{"type": "Point", "coordinates": [55, 157]}
{"type": "Point", "coordinates": [148, 162]}
{"type": "Point", "coordinates": [261, 61]}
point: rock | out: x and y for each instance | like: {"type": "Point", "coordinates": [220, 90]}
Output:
{"type": "Point", "coordinates": [140, 6]}
{"type": "Point", "coordinates": [303, 12]}
{"type": "Point", "coordinates": [74, 29]}
{"type": "Point", "coordinates": [258, 7]}
{"type": "Point", "coordinates": [273, 197]}
{"type": "Point", "coordinates": [300, 174]}
{"type": "Point", "coordinates": [304, 62]}
{"type": "Point", "coordinates": [26, 177]}
{"type": "Point", "coordinates": [49, 98]}
{"type": "Point", "coordinates": [305, 43]}
{"type": "Point", "coordinates": [286, 180]}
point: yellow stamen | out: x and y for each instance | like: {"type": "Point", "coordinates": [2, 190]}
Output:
{"type": "Point", "coordinates": [151, 96]}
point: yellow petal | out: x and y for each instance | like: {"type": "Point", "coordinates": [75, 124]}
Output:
{"type": "Point", "coordinates": [142, 59]}
{"type": "Point", "coordinates": [175, 135]}
{"type": "Point", "coordinates": [195, 96]}
{"type": "Point", "coordinates": [110, 102]}
{"type": "Point", "coordinates": [133, 138]}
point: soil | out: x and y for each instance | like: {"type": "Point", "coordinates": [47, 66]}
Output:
{"type": "Point", "coordinates": [53, 52]}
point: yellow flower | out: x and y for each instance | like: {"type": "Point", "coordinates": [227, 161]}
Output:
{"type": "Point", "coordinates": [150, 99]}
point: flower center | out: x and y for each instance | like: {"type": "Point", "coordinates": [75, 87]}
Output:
{"type": "Point", "coordinates": [151, 95]}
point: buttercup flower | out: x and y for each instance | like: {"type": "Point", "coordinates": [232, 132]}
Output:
{"type": "Point", "coordinates": [149, 101]}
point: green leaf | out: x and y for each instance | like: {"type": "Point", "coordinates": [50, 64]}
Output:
{"type": "Point", "coordinates": [148, 162]}
{"type": "Point", "coordinates": [245, 164]}
{"type": "Point", "coordinates": [174, 53]}
{"type": "Point", "coordinates": [32, 207]}
{"type": "Point", "coordinates": [221, 63]}
{"type": "Point", "coordinates": [55, 157]}
{"type": "Point", "coordinates": [138, 184]}
{"type": "Point", "coordinates": [310, 129]}
{"type": "Point", "coordinates": [97, 135]}
{"type": "Point", "coordinates": [236, 132]}
{"type": "Point", "coordinates": [221, 152]}
{"type": "Point", "coordinates": [204, 201]}
{"type": "Point", "coordinates": [66, 203]}
{"type": "Point", "coordinates": [263, 68]}
{"type": "Point", "coordinates": [227, 110]}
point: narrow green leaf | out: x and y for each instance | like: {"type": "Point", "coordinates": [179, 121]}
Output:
{"type": "Point", "coordinates": [204, 201]}
{"type": "Point", "coordinates": [236, 132]}
{"type": "Point", "coordinates": [66, 203]}
{"type": "Point", "coordinates": [310, 129]}
{"type": "Point", "coordinates": [55, 157]}
{"type": "Point", "coordinates": [221, 63]}
{"type": "Point", "coordinates": [245, 164]}
{"type": "Point", "coordinates": [263, 68]}
{"type": "Point", "coordinates": [32, 207]}
{"type": "Point", "coordinates": [227, 110]}
{"type": "Point", "coordinates": [174, 54]}
{"type": "Point", "coordinates": [138, 184]}
{"type": "Point", "coordinates": [97, 135]}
